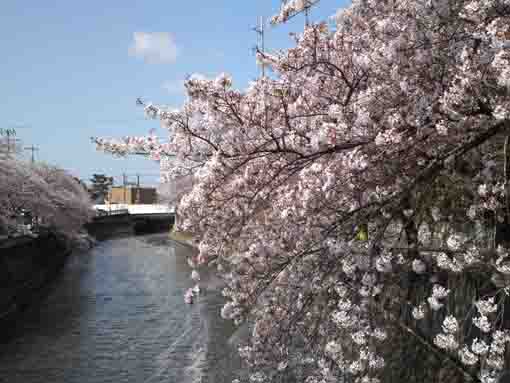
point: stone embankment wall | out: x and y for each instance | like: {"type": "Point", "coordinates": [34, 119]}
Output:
{"type": "Point", "coordinates": [27, 265]}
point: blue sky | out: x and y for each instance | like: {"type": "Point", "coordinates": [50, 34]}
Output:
{"type": "Point", "coordinates": [73, 69]}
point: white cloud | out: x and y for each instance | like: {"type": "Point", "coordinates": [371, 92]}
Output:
{"type": "Point", "coordinates": [154, 47]}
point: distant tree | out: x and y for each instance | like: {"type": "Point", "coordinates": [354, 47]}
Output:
{"type": "Point", "coordinates": [100, 186]}
{"type": "Point", "coordinates": [43, 191]}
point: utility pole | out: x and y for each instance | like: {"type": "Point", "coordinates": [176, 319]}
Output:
{"type": "Point", "coordinates": [10, 135]}
{"type": "Point", "coordinates": [9, 140]}
{"type": "Point", "coordinates": [33, 149]}
{"type": "Point", "coordinates": [138, 180]}
{"type": "Point", "coordinates": [260, 47]}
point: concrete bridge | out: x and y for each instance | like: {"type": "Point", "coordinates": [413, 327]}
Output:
{"type": "Point", "coordinates": [117, 219]}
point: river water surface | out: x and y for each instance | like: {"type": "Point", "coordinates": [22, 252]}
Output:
{"type": "Point", "coordinates": [117, 314]}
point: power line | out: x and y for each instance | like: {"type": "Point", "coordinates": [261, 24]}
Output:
{"type": "Point", "coordinates": [124, 179]}
{"type": "Point", "coordinates": [309, 4]}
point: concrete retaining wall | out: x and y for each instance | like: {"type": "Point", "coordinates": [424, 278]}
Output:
{"type": "Point", "coordinates": [112, 226]}
{"type": "Point", "coordinates": [26, 266]}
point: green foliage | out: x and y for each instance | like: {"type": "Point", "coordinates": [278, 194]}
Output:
{"type": "Point", "coordinates": [100, 184]}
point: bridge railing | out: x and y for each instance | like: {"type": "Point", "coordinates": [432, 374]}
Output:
{"type": "Point", "coordinates": [103, 213]}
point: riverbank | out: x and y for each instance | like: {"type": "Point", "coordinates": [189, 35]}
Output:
{"type": "Point", "coordinates": [27, 266]}
{"type": "Point", "coordinates": [182, 238]}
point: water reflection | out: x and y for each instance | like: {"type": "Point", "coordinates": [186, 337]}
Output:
{"type": "Point", "coordinates": [117, 315]}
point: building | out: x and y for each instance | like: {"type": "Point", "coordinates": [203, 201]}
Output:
{"type": "Point", "coordinates": [133, 195]}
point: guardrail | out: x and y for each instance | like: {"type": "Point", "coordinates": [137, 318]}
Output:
{"type": "Point", "coordinates": [103, 213]}
{"type": "Point", "coordinates": [135, 209]}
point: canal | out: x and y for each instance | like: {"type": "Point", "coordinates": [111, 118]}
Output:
{"type": "Point", "coordinates": [117, 314]}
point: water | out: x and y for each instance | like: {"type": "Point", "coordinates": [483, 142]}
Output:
{"type": "Point", "coordinates": [117, 315]}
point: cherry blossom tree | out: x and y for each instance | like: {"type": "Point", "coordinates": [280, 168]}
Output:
{"type": "Point", "coordinates": [57, 200]}
{"type": "Point", "coordinates": [393, 123]}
